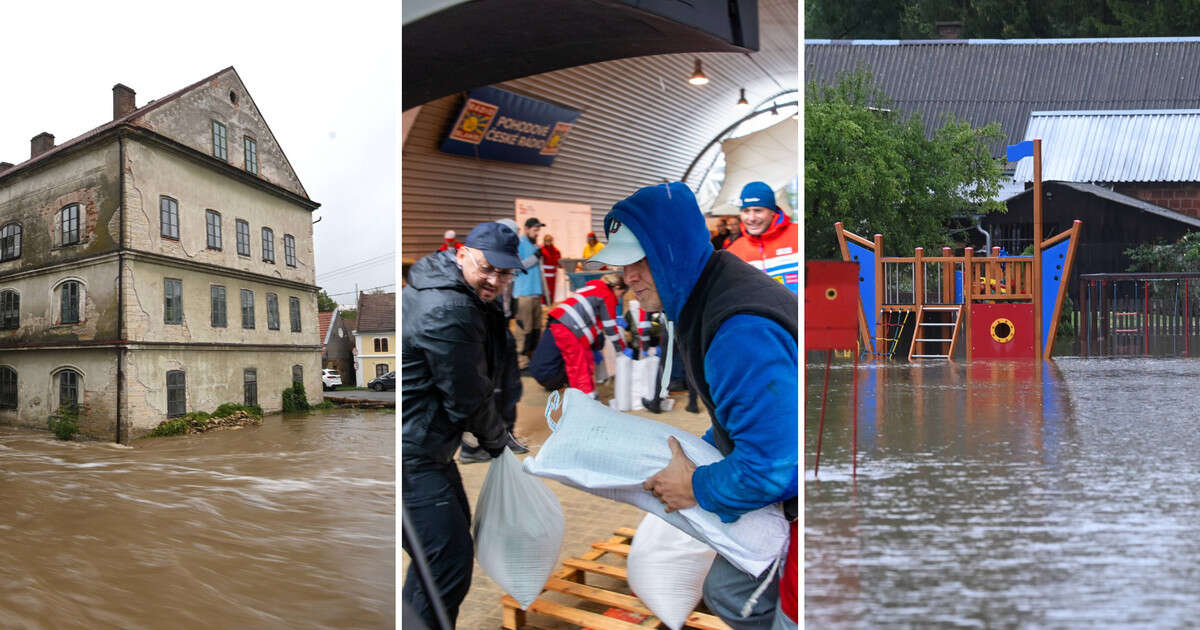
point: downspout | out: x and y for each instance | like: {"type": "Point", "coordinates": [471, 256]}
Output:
{"type": "Point", "coordinates": [121, 284]}
{"type": "Point", "coordinates": [987, 236]}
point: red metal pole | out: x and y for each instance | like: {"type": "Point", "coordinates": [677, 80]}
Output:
{"type": "Point", "coordinates": [824, 399]}
{"type": "Point", "coordinates": [1187, 324]}
{"type": "Point", "coordinates": [1146, 317]}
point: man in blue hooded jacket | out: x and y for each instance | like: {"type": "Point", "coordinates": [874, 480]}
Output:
{"type": "Point", "coordinates": [737, 333]}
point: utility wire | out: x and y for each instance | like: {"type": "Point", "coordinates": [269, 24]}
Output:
{"type": "Point", "coordinates": [362, 291]}
{"type": "Point", "coordinates": [372, 260]}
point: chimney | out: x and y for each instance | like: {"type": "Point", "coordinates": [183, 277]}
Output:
{"type": "Point", "coordinates": [40, 144]}
{"type": "Point", "coordinates": [949, 30]}
{"type": "Point", "coordinates": [123, 101]}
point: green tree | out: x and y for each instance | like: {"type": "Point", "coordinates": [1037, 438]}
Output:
{"type": "Point", "coordinates": [876, 19]}
{"type": "Point", "coordinates": [1182, 255]}
{"type": "Point", "coordinates": [875, 170]}
{"type": "Point", "coordinates": [325, 304]}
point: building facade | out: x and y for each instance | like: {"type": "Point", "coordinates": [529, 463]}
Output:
{"type": "Point", "coordinates": [159, 264]}
{"type": "Point", "coordinates": [375, 337]}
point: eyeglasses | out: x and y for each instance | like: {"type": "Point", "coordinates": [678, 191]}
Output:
{"type": "Point", "coordinates": [489, 271]}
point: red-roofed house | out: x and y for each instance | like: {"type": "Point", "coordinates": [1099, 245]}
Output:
{"type": "Point", "coordinates": [339, 345]}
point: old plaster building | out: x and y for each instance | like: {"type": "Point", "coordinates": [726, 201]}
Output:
{"type": "Point", "coordinates": [158, 264]}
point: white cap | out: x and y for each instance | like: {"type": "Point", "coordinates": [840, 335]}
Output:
{"type": "Point", "coordinates": [449, 234]}
{"type": "Point", "coordinates": [623, 249]}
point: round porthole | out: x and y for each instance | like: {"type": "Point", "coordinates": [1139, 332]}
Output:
{"type": "Point", "coordinates": [1003, 330]}
{"type": "Point", "coordinates": [831, 293]}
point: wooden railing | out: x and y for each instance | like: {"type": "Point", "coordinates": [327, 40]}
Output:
{"type": "Point", "coordinates": [990, 278]}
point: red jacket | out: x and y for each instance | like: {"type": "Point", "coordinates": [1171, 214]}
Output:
{"type": "Point", "coordinates": [450, 243]}
{"type": "Point", "coordinates": [589, 311]}
{"type": "Point", "coordinates": [550, 258]}
{"type": "Point", "coordinates": [777, 251]}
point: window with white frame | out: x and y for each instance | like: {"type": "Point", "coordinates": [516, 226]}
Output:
{"type": "Point", "coordinates": [294, 313]}
{"type": "Point", "coordinates": [70, 388]}
{"type": "Point", "coordinates": [251, 154]}
{"type": "Point", "coordinates": [176, 393]}
{"type": "Point", "coordinates": [172, 301]}
{"type": "Point", "coordinates": [272, 311]}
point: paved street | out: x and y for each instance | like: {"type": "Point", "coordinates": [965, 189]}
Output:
{"type": "Point", "coordinates": [589, 519]}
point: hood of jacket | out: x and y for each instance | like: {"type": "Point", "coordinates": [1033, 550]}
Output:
{"type": "Point", "coordinates": [670, 228]}
{"type": "Point", "coordinates": [776, 228]}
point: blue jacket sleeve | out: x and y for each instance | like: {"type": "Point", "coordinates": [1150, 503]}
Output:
{"type": "Point", "coordinates": [756, 396]}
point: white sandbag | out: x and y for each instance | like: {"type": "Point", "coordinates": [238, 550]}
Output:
{"type": "Point", "coordinates": [518, 529]}
{"type": "Point", "coordinates": [666, 570]}
{"type": "Point", "coordinates": [623, 382]}
{"type": "Point", "coordinates": [637, 385]}
{"type": "Point", "coordinates": [610, 454]}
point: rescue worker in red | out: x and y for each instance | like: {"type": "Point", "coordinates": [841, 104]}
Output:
{"type": "Point", "coordinates": [769, 241]}
{"type": "Point", "coordinates": [550, 258]}
{"type": "Point", "coordinates": [578, 326]}
{"type": "Point", "coordinates": [449, 241]}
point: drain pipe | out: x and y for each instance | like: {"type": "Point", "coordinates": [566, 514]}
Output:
{"type": "Point", "coordinates": [987, 236]}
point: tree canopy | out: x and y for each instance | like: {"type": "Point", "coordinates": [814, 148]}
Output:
{"type": "Point", "coordinates": [875, 19]}
{"type": "Point", "coordinates": [875, 170]}
{"type": "Point", "coordinates": [325, 304]}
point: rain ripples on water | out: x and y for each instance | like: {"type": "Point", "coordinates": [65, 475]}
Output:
{"type": "Point", "coordinates": [1056, 495]}
{"type": "Point", "coordinates": [286, 525]}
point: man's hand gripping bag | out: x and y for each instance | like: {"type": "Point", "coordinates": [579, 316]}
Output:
{"type": "Point", "coordinates": [609, 454]}
{"type": "Point", "coordinates": [518, 529]}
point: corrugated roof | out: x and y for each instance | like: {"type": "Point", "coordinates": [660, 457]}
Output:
{"type": "Point", "coordinates": [1004, 81]}
{"type": "Point", "coordinates": [1115, 146]}
{"type": "Point", "coordinates": [376, 312]}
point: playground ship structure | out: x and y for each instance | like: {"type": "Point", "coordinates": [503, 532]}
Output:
{"type": "Point", "coordinates": [1001, 307]}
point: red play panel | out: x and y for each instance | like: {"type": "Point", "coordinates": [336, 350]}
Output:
{"type": "Point", "coordinates": [1002, 331]}
{"type": "Point", "coordinates": [830, 305]}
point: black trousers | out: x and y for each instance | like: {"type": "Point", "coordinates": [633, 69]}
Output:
{"type": "Point", "coordinates": [440, 516]}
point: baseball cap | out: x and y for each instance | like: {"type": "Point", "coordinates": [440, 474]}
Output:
{"type": "Point", "coordinates": [498, 244]}
{"type": "Point", "coordinates": [758, 194]}
{"type": "Point", "coordinates": [533, 222]}
{"type": "Point", "coordinates": [623, 249]}
{"type": "Point", "coordinates": [508, 223]}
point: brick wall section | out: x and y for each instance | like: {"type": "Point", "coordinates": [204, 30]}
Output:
{"type": "Point", "coordinates": [1180, 197]}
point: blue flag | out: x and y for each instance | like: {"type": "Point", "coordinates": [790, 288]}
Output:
{"type": "Point", "coordinates": [1020, 150]}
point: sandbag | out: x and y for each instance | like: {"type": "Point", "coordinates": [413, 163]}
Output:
{"type": "Point", "coordinates": [622, 383]}
{"type": "Point", "coordinates": [518, 529]}
{"type": "Point", "coordinates": [610, 454]}
{"type": "Point", "coordinates": [666, 570]}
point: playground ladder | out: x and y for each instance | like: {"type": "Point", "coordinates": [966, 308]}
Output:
{"type": "Point", "coordinates": [928, 332]}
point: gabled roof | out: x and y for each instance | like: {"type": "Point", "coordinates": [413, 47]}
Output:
{"type": "Point", "coordinates": [1116, 146]}
{"type": "Point", "coordinates": [144, 117]}
{"type": "Point", "coordinates": [984, 81]}
{"type": "Point", "coordinates": [376, 312]}
{"type": "Point", "coordinates": [323, 321]}
{"type": "Point", "coordinates": [1132, 202]}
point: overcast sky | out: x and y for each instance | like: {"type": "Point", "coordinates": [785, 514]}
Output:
{"type": "Point", "coordinates": [325, 82]}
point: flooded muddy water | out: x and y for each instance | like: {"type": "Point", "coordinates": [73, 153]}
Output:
{"type": "Point", "coordinates": [286, 525]}
{"type": "Point", "coordinates": [1042, 495]}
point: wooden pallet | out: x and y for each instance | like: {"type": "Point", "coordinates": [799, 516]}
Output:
{"type": "Point", "coordinates": [571, 580]}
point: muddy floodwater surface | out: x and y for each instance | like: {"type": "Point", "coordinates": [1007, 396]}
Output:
{"type": "Point", "coordinates": [290, 524]}
{"type": "Point", "coordinates": [1005, 495]}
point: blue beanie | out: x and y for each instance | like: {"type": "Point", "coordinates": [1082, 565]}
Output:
{"type": "Point", "coordinates": [758, 194]}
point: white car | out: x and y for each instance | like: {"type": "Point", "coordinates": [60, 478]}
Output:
{"type": "Point", "coordinates": [330, 379]}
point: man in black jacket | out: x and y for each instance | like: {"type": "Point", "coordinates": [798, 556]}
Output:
{"type": "Point", "coordinates": [452, 347]}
